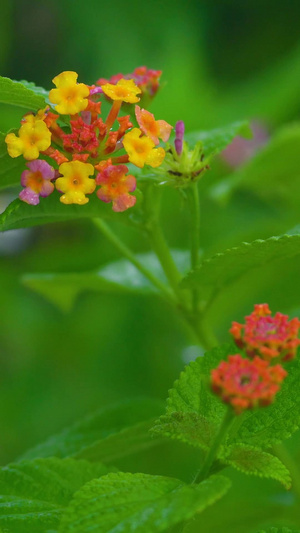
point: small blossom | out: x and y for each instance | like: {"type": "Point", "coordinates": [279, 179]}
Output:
{"type": "Point", "coordinates": [141, 150]}
{"type": "Point", "coordinates": [70, 96]}
{"type": "Point", "coordinates": [34, 137]}
{"type": "Point", "coordinates": [146, 79]}
{"type": "Point", "coordinates": [267, 336]}
{"type": "Point", "coordinates": [37, 181]}
{"type": "Point", "coordinates": [154, 129]}
{"type": "Point", "coordinates": [246, 384]}
{"type": "Point", "coordinates": [116, 186]}
{"type": "Point", "coordinates": [124, 91]}
{"type": "Point", "coordinates": [82, 139]}
{"type": "Point", "coordinates": [75, 182]}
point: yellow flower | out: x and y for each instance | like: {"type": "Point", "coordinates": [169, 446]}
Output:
{"type": "Point", "coordinates": [32, 118]}
{"type": "Point", "coordinates": [141, 150]}
{"type": "Point", "coordinates": [75, 182]}
{"type": "Point", "coordinates": [34, 137]}
{"type": "Point", "coordinates": [69, 95]}
{"type": "Point", "coordinates": [124, 91]}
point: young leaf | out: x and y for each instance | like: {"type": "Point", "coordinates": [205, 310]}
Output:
{"type": "Point", "coordinates": [117, 277]}
{"type": "Point", "coordinates": [193, 413]}
{"type": "Point", "coordinates": [191, 428]}
{"type": "Point", "coordinates": [99, 430]}
{"type": "Point", "coordinates": [214, 141]}
{"type": "Point", "coordinates": [251, 460]}
{"type": "Point", "coordinates": [225, 268]}
{"type": "Point", "coordinates": [138, 502]}
{"type": "Point", "coordinates": [15, 93]}
{"type": "Point", "coordinates": [33, 494]}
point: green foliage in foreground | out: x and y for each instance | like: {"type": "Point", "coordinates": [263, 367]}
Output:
{"type": "Point", "coordinates": [131, 502]}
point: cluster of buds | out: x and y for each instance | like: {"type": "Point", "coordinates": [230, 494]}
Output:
{"type": "Point", "coordinates": [253, 381]}
{"type": "Point", "coordinates": [182, 166]}
{"type": "Point", "coordinates": [86, 149]}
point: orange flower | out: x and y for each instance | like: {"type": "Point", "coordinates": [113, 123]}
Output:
{"type": "Point", "coordinates": [267, 336]}
{"type": "Point", "coordinates": [246, 384]}
{"type": "Point", "coordinates": [155, 129]}
{"type": "Point", "coordinates": [141, 150]}
{"type": "Point", "coordinates": [124, 91]}
{"type": "Point", "coordinates": [70, 96]}
{"type": "Point", "coordinates": [75, 182]}
{"type": "Point", "coordinates": [115, 186]}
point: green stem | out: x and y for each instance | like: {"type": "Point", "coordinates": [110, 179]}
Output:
{"type": "Point", "coordinates": [126, 252]}
{"type": "Point", "coordinates": [194, 204]}
{"type": "Point", "coordinates": [166, 260]}
{"type": "Point", "coordinates": [195, 224]}
{"type": "Point", "coordinates": [212, 453]}
{"type": "Point", "coordinates": [152, 210]}
{"type": "Point", "coordinates": [288, 460]}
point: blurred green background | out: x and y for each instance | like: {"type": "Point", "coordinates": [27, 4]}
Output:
{"type": "Point", "coordinates": [222, 60]}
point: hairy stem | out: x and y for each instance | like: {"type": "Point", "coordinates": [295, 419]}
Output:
{"type": "Point", "coordinates": [212, 453]}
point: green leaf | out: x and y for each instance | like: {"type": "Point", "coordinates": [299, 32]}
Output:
{"type": "Point", "coordinates": [10, 168]}
{"type": "Point", "coordinates": [214, 141]}
{"type": "Point", "coordinates": [40, 91]}
{"type": "Point", "coordinates": [279, 530]}
{"type": "Point", "coordinates": [251, 460]}
{"type": "Point", "coordinates": [138, 502]}
{"type": "Point", "coordinates": [273, 173]}
{"type": "Point", "coordinates": [116, 277]}
{"type": "Point", "coordinates": [33, 494]}
{"type": "Point", "coordinates": [225, 268]}
{"type": "Point", "coordinates": [105, 428]}
{"type": "Point", "coordinates": [191, 428]}
{"type": "Point", "coordinates": [193, 413]}
{"type": "Point", "coordinates": [21, 215]}
{"type": "Point", "coordinates": [18, 94]}
{"type": "Point", "coordinates": [271, 425]}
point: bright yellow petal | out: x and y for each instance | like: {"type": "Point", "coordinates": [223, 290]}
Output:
{"type": "Point", "coordinates": [156, 157]}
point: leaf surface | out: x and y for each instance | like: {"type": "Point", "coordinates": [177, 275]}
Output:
{"type": "Point", "coordinates": [102, 429]}
{"type": "Point", "coordinates": [227, 267]}
{"type": "Point", "coordinates": [253, 461]}
{"type": "Point", "coordinates": [21, 94]}
{"type": "Point", "coordinates": [33, 494]}
{"type": "Point", "coordinates": [138, 502]}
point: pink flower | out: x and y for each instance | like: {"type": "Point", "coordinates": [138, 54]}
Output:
{"type": "Point", "coordinates": [116, 186]}
{"type": "Point", "coordinates": [37, 181]}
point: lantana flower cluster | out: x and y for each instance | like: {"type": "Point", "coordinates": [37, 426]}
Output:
{"type": "Point", "coordinates": [252, 380]}
{"type": "Point", "coordinates": [88, 150]}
